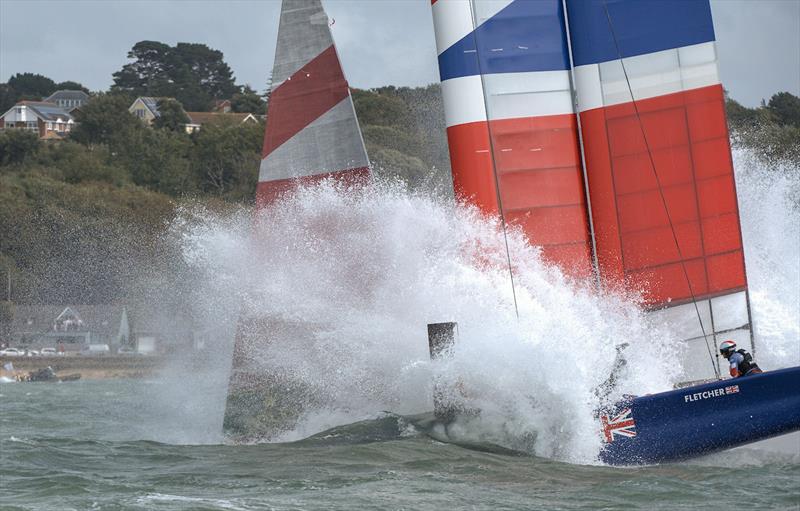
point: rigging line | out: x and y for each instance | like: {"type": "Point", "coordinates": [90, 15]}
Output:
{"type": "Point", "coordinates": [660, 190]}
{"type": "Point", "coordinates": [494, 162]}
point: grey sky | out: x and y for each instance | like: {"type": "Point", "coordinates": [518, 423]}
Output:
{"type": "Point", "coordinates": [380, 42]}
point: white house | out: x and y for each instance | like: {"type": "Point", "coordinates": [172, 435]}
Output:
{"type": "Point", "coordinates": [47, 120]}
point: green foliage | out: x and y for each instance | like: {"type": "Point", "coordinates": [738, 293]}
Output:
{"type": "Point", "coordinates": [8, 97]}
{"type": "Point", "coordinates": [380, 109]}
{"type": "Point", "coordinates": [17, 146]}
{"type": "Point", "coordinates": [785, 109]}
{"type": "Point", "coordinates": [82, 243]}
{"type": "Point", "coordinates": [157, 159]}
{"type": "Point", "coordinates": [76, 163]}
{"type": "Point", "coordinates": [171, 116]}
{"type": "Point", "coordinates": [404, 131]}
{"type": "Point", "coordinates": [32, 85]}
{"type": "Point", "coordinates": [772, 130]}
{"type": "Point", "coordinates": [194, 74]}
{"type": "Point", "coordinates": [70, 85]}
{"type": "Point", "coordinates": [226, 159]}
{"type": "Point", "coordinates": [248, 101]}
{"type": "Point", "coordinates": [103, 119]}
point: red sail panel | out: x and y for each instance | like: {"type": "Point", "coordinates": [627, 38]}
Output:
{"type": "Point", "coordinates": [312, 131]}
{"type": "Point", "coordinates": [511, 122]}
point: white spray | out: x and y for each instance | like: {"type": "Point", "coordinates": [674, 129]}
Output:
{"type": "Point", "coordinates": [367, 271]}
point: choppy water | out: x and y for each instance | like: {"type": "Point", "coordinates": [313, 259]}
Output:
{"type": "Point", "coordinates": [93, 445]}
{"type": "Point", "coordinates": [367, 272]}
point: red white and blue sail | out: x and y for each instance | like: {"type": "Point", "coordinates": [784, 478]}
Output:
{"type": "Point", "coordinates": [664, 218]}
{"type": "Point", "coordinates": [658, 164]}
{"type": "Point", "coordinates": [312, 131]}
{"type": "Point", "coordinates": [511, 125]}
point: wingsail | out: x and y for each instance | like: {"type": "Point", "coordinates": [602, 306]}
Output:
{"type": "Point", "coordinates": [511, 125]}
{"type": "Point", "coordinates": [658, 165]}
{"type": "Point", "coordinates": [312, 131]}
{"type": "Point", "coordinates": [311, 134]}
{"type": "Point", "coordinates": [652, 205]}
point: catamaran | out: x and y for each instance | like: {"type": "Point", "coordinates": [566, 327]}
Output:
{"type": "Point", "coordinates": [598, 127]}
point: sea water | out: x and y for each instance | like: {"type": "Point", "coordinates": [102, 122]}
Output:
{"type": "Point", "coordinates": [364, 273]}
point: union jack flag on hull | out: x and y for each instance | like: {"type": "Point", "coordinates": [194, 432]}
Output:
{"type": "Point", "coordinates": [621, 424]}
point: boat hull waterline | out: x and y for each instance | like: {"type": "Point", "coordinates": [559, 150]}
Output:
{"type": "Point", "coordinates": [698, 420]}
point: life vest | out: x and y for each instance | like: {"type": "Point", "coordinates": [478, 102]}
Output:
{"type": "Point", "coordinates": [746, 365]}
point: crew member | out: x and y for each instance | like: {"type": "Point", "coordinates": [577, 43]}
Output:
{"type": "Point", "coordinates": [741, 361]}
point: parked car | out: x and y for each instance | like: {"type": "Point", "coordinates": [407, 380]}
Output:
{"type": "Point", "coordinates": [97, 349]}
{"type": "Point", "coordinates": [32, 353]}
{"type": "Point", "coordinates": [125, 350]}
{"type": "Point", "coordinates": [11, 352]}
{"type": "Point", "coordinates": [48, 352]}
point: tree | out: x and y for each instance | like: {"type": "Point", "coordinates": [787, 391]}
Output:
{"type": "Point", "coordinates": [208, 68]}
{"type": "Point", "coordinates": [785, 109]}
{"type": "Point", "coordinates": [70, 85]}
{"type": "Point", "coordinates": [248, 101]}
{"type": "Point", "coordinates": [16, 146]}
{"type": "Point", "coordinates": [32, 86]}
{"type": "Point", "coordinates": [148, 73]}
{"type": "Point", "coordinates": [104, 119]}
{"type": "Point", "coordinates": [171, 116]}
{"type": "Point", "coordinates": [226, 159]}
{"type": "Point", "coordinates": [158, 160]}
{"type": "Point", "coordinates": [194, 74]}
{"type": "Point", "coordinates": [8, 97]}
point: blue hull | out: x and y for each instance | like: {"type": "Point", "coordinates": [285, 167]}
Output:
{"type": "Point", "coordinates": [698, 420]}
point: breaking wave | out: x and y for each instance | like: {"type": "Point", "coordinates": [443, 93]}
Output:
{"type": "Point", "coordinates": [362, 272]}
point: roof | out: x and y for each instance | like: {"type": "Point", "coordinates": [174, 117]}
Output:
{"type": "Point", "coordinates": [211, 117]}
{"type": "Point", "coordinates": [67, 94]}
{"type": "Point", "coordinates": [150, 103]}
{"type": "Point", "coordinates": [47, 111]}
{"type": "Point", "coordinates": [101, 319]}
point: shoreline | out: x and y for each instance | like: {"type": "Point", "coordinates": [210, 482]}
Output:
{"type": "Point", "coordinates": [100, 367]}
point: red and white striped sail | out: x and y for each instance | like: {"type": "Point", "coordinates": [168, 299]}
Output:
{"type": "Point", "coordinates": [312, 131]}
{"type": "Point", "coordinates": [658, 167]}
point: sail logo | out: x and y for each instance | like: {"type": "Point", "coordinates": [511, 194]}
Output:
{"type": "Point", "coordinates": [621, 424]}
{"type": "Point", "coordinates": [698, 396]}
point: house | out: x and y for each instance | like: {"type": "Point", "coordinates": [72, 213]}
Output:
{"type": "Point", "coordinates": [145, 108]}
{"type": "Point", "coordinates": [73, 327]}
{"type": "Point", "coordinates": [198, 119]}
{"type": "Point", "coordinates": [69, 100]}
{"type": "Point", "coordinates": [47, 120]}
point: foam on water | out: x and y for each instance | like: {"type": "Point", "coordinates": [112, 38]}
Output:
{"type": "Point", "coordinates": [361, 273]}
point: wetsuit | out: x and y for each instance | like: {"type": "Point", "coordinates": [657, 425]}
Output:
{"type": "Point", "coordinates": [741, 364]}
